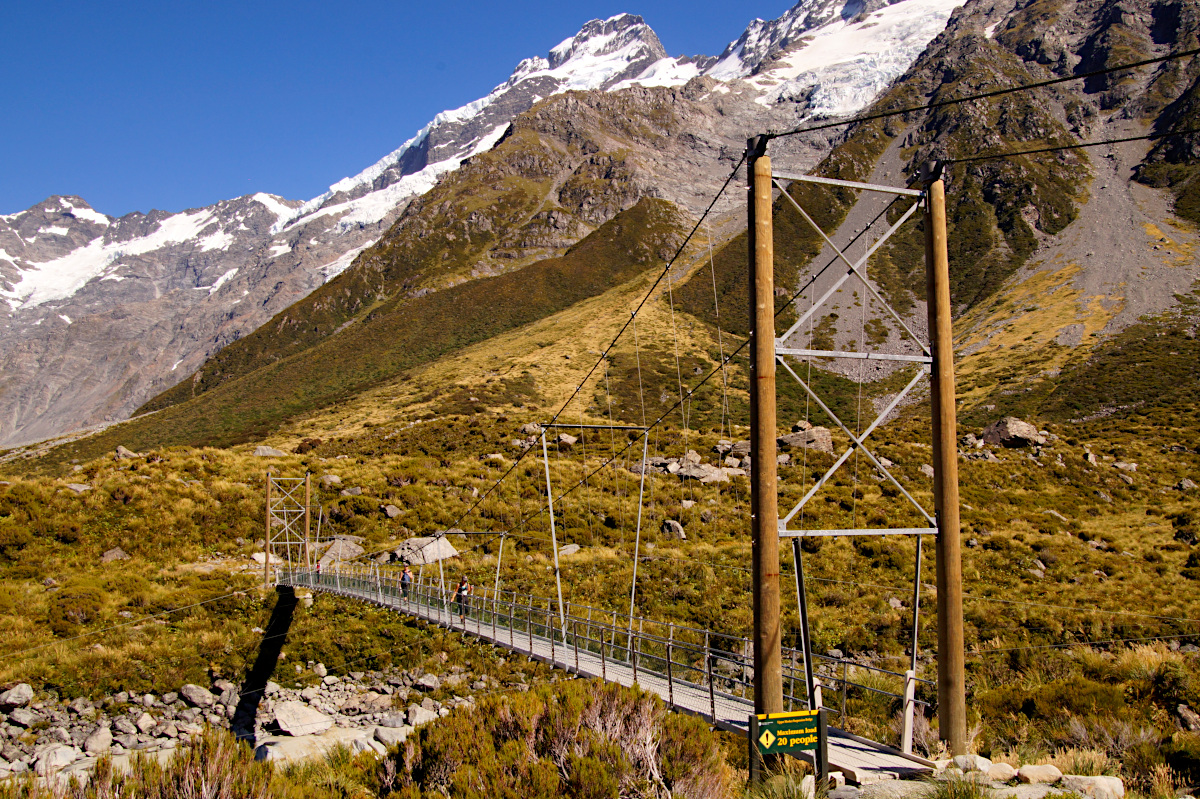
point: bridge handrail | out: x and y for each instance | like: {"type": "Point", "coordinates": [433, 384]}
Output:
{"type": "Point", "coordinates": [637, 645]}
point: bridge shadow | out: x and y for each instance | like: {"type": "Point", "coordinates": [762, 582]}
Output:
{"type": "Point", "coordinates": [255, 684]}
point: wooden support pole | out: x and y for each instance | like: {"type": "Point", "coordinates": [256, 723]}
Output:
{"type": "Point", "coordinates": [764, 508]}
{"type": "Point", "coordinates": [952, 700]}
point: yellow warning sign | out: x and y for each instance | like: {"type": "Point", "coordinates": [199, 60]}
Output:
{"type": "Point", "coordinates": [788, 732]}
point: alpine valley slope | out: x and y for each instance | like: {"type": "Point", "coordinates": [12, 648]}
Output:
{"type": "Point", "coordinates": [102, 314]}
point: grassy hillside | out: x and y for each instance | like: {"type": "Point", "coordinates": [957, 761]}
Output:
{"type": "Point", "coordinates": [402, 333]}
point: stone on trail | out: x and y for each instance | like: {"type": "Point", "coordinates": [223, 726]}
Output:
{"type": "Point", "coordinates": [263, 451]}
{"type": "Point", "coordinates": [297, 718]}
{"type": "Point", "coordinates": [197, 696]}
{"type": "Point", "coordinates": [1095, 787]}
{"type": "Point", "coordinates": [1002, 772]}
{"type": "Point", "coordinates": [1046, 773]}
{"type": "Point", "coordinates": [116, 553]}
{"type": "Point", "coordinates": [973, 763]}
{"type": "Point", "coordinates": [19, 695]}
{"type": "Point", "coordinates": [1012, 432]}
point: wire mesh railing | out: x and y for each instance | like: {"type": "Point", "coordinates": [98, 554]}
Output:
{"type": "Point", "coordinates": [700, 671]}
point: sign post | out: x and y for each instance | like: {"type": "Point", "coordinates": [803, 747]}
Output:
{"type": "Point", "coordinates": [789, 734]}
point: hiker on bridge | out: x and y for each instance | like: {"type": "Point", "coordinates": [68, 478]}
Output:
{"type": "Point", "coordinates": [462, 598]}
{"type": "Point", "coordinates": [405, 581]}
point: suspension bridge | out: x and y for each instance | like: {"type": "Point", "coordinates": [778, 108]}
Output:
{"type": "Point", "coordinates": [721, 677]}
{"type": "Point", "coordinates": [703, 673]}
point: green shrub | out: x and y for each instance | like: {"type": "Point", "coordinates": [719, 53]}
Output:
{"type": "Point", "coordinates": [577, 739]}
{"type": "Point", "coordinates": [73, 608]}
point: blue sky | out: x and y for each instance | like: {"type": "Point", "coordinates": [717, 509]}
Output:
{"type": "Point", "coordinates": [179, 104]}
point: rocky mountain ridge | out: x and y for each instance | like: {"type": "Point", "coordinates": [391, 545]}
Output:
{"type": "Point", "coordinates": [111, 312]}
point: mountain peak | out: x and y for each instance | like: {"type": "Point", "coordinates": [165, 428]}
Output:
{"type": "Point", "coordinates": [624, 35]}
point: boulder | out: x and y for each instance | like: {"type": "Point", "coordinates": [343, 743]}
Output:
{"type": "Point", "coordinates": [55, 757]}
{"type": "Point", "coordinates": [569, 549]}
{"type": "Point", "coordinates": [145, 723]}
{"type": "Point", "coordinates": [123, 453]}
{"type": "Point", "coordinates": [79, 488]}
{"type": "Point", "coordinates": [1185, 484]}
{"type": "Point", "coordinates": [99, 741]}
{"type": "Point", "coordinates": [1096, 787]}
{"type": "Point", "coordinates": [926, 470]}
{"type": "Point", "coordinates": [24, 717]}
{"type": "Point", "coordinates": [330, 480]}
{"type": "Point", "coordinates": [124, 726]}
{"type": "Point", "coordinates": [1046, 773]}
{"type": "Point", "coordinates": [394, 720]}
{"type": "Point", "coordinates": [740, 449]}
{"type": "Point", "coordinates": [563, 438]}
{"type": "Point", "coordinates": [1189, 717]}
{"type": "Point", "coordinates": [969, 763]}
{"type": "Point", "coordinates": [263, 451]}
{"type": "Point", "coordinates": [429, 682]}
{"type": "Point", "coordinates": [355, 491]}
{"type": "Point", "coordinates": [116, 553]}
{"type": "Point", "coordinates": [197, 696]}
{"type": "Point", "coordinates": [392, 511]}
{"type": "Point", "coordinates": [674, 529]}
{"type": "Point", "coordinates": [418, 715]}
{"type": "Point", "coordinates": [297, 718]}
{"type": "Point", "coordinates": [423, 551]}
{"type": "Point", "coordinates": [341, 550]}
{"type": "Point", "coordinates": [531, 428]}
{"type": "Point", "coordinates": [818, 438]}
{"type": "Point", "coordinates": [392, 736]}
{"type": "Point", "coordinates": [1012, 432]}
{"type": "Point", "coordinates": [1002, 772]}
{"type": "Point", "coordinates": [19, 695]}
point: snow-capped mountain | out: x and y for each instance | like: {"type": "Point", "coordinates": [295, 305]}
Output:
{"type": "Point", "coordinates": [100, 314]}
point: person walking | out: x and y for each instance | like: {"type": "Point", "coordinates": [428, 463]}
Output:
{"type": "Point", "coordinates": [461, 598]}
{"type": "Point", "coordinates": [405, 582]}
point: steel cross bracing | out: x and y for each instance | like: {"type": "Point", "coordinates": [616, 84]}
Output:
{"type": "Point", "coordinates": [857, 442]}
{"type": "Point", "coordinates": [700, 672]}
{"type": "Point", "coordinates": [924, 360]}
{"type": "Point", "coordinates": [287, 514]}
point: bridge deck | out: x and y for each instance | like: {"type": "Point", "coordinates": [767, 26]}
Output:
{"type": "Point", "coordinates": [860, 760]}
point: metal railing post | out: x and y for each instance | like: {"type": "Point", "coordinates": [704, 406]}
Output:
{"type": "Point", "coordinates": [670, 676]}
{"type": "Point", "coordinates": [712, 696]}
{"type": "Point", "coordinates": [817, 703]}
{"type": "Point", "coordinates": [845, 690]}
